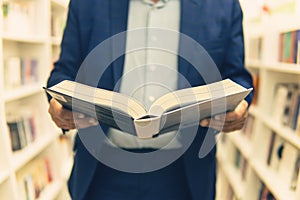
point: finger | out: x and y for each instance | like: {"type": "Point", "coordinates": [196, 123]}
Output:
{"type": "Point", "coordinates": [86, 122]}
{"type": "Point", "coordinates": [223, 126]}
{"type": "Point", "coordinates": [57, 110]}
{"type": "Point", "coordinates": [232, 128]}
{"type": "Point", "coordinates": [238, 112]}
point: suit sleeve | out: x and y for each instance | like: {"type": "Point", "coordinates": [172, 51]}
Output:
{"type": "Point", "coordinates": [70, 57]}
{"type": "Point", "coordinates": [234, 58]}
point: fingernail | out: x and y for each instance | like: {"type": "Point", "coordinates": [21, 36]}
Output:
{"type": "Point", "coordinates": [217, 117]}
{"type": "Point", "coordinates": [204, 123]}
{"type": "Point", "coordinates": [93, 121]}
{"type": "Point", "coordinates": [80, 116]}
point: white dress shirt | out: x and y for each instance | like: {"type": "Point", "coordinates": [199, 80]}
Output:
{"type": "Point", "coordinates": [148, 73]}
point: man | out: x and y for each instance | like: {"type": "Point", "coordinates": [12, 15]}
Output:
{"type": "Point", "coordinates": [214, 24]}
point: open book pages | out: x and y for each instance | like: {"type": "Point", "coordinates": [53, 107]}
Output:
{"type": "Point", "coordinates": [179, 108]}
{"type": "Point", "coordinates": [189, 96]}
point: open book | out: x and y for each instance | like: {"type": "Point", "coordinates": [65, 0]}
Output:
{"type": "Point", "coordinates": [174, 110]}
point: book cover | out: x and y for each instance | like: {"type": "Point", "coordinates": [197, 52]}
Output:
{"type": "Point", "coordinates": [279, 102]}
{"type": "Point", "coordinates": [255, 80]}
{"type": "Point", "coordinates": [296, 46]}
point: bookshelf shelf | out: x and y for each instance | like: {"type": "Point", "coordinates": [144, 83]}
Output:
{"type": "Point", "coordinates": [241, 142]}
{"type": "Point", "coordinates": [272, 153]}
{"type": "Point", "coordinates": [283, 131]}
{"type": "Point", "coordinates": [253, 110]}
{"type": "Point", "coordinates": [22, 92]}
{"type": "Point", "coordinates": [232, 175]}
{"type": "Point", "coordinates": [4, 175]}
{"type": "Point", "coordinates": [254, 64]}
{"type": "Point", "coordinates": [24, 39]}
{"type": "Point", "coordinates": [60, 3]}
{"type": "Point", "coordinates": [27, 49]}
{"type": "Point", "coordinates": [65, 172]}
{"type": "Point", "coordinates": [52, 190]}
{"type": "Point", "coordinates": [284, 68]}
{"type": "Point", "coordinates": [271, 180]}
{"type": "Point", "coordinates": [20, 158]}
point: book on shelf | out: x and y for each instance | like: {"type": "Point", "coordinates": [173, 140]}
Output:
{"type": "Point", "coordinates": [279, 100]}
{"type": "Point", "coordinates": [285, 109]}
{"type": "Point", "coordinates": [275, 151]}
{"type": "Point", "coordinates": [12, 71]}
{"type": "Point", "coordinates": [19, 17]}
{"type": "Point", "coordinates": [289, 104]}
{"type": "Point", "coordinates": [33, 178]}
{"type": "Point", "coordinates": [287, 164]}
{"type": "Point", "coordinates": [17, 134]}
{"type": "Point", "coordinates": [247, 129]}
{"type": "Point", "coordinates": [22, 130]}
{"type": "Point", "coordinates": [20, 71]}
{"type": "Point", "coordinates": [237, 159]}
{"type": "Point", "coordinates": [296, 172]}
{"type": "Point", "coordinates": [255, 48]}
{"type": "Point", "coordinates": [244, 169]}
{"type": "Point", "coordinates": [288, 46]}
{"type": "Point", "coordinates": [265, 193]}
{"type": "Point", "coordinates": [179, 108]}
{"type": "Point", "coordinates": [255, 81]}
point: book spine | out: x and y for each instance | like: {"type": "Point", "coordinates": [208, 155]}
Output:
{"type": "Point", "coordinates": [297, 48]}
{"type": "Point", "coordinates": [147, 128]}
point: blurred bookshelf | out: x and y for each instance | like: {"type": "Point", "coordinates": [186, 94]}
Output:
{"type": "Point", "coordinates": [269, 142]}
{"type": "Point", "coordinates": [35, 159]}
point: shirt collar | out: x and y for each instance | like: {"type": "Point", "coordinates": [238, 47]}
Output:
{"type": "Point", "coordinates": [159, 4]}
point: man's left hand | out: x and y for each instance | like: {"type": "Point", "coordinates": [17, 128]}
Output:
{"type": "Point", "coordinates": [230, 121]}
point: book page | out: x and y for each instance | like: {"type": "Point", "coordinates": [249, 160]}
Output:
{"type": "Point", "coordinates": [100, 97]}
{"type": "Point", "coordinates": [185, 97]}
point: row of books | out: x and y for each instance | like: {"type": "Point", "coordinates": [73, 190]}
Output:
{"type": "Point", "coordinates": [247, 129]}
{"type": "Point", "coordinates": [286, 105]}
{"type": "Point", "coordinates": [284, 160]}
{"type": "Point", "coordinates": [265, 193]}
{"type": "Point", "coordinates": [255, 81]}
{"type": "Point", "coordinates": [19, 17]}
{"type": "Point", "coordinates": [34, 178]}
{"type": "Point", "coordinates": [20, 71]}
{"type": "Point", "coordinates": [241, 164]}
{"type": "Point", "coordinates": [22, 130]}
{"type": "Point", "coordinates": [255, 48]}
{"type": "Point", "coordinates": [289, 46]}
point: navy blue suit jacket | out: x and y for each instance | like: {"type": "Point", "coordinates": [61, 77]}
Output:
{"type": "Point", "coordinates": [215, 24]}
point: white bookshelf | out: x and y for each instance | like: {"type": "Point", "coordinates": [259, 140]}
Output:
{"type": "Point", "coordinates": [31, 39]}
{"type": "Point", "coordinates": [256, 148]}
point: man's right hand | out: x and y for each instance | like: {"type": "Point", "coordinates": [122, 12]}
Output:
{"type": "Point", "coordinates": [65, 119]}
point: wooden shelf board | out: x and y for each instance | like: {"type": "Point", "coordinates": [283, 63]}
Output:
{"type": "Point", "coordinates": [232, 175]}
{"type": "Point", "coordinates": [3, 176]}
{"type": "Point", "coordinates": [25, 39]}
{"type": "Point", "coordinates": [60, 3]}
{"type": "Point", "coordinates": [22, 157]}
{"type": "Point", "coordinates": [254, 64]}
{"type": "Point", "coordinates": [284, 68]}
{"type": "Point", "coordinates": [22, 92]}
{"type": "Point", "coordinates": [283, 131]}
{"type": "Point", "coordinates": [52, 190]}
{"type": "Point", "coordinates": [66, 170]}
{"type": "Point", "coordinates": [279, 189]}
{"type": "Point", "coordinates": [241, 142]}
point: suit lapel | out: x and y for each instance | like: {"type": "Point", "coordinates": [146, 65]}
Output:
{"type": "Point", "coordinates": [188, 9]}
{"type": "Point", "coordinates": [118, 24]}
